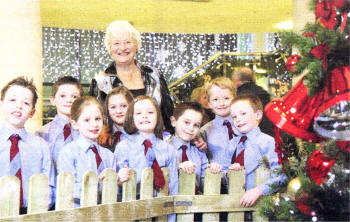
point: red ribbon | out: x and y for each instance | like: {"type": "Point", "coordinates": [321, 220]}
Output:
{"type": "Point", "coordinates": [278, 145]}
{"type": "Point", "coordinates": [320, 51]}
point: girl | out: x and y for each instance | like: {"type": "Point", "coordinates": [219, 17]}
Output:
{"type": "Point", "coordinates": [84, 154]}
{"type": "Point", "coordinates": [116, 106]}
{"type": "Point", "coordinates": [145, 147]}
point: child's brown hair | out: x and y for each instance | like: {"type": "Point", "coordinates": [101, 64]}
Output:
{"type": "Point", "coordinates": [25, 83]}
{"type": "Point", "coordinates": [80, 103]}
{"type": "Point", "coordinates": [67, 80]}
{"type": "Point", "coordinates": [122, 90]}
{"type": "Point", "coordinates": [180, 109]}
{"type": "Point", "coordinates": [129, 125]}
{"type": "Point", "coordinates": [253, 101]}
{"type": "Point", "coordinates": [223, 83]}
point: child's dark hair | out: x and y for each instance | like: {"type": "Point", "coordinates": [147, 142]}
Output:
{"type": "Point", "coordinates": [122, 90]}
{"type": "Point", "coordinates": [253, 100]}
{"type": "Point", "coordinates": [129, 125]}
{"type": "Point", "coordinates": [67, 80]}
{"type": "Point", "coordinates": [180, 109]}
{"type": "Point", "coordinates": [25, 83]}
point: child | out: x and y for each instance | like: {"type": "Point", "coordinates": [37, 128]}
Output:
{"type": "Point", "coordinates": [145, 147]}
{"type": "Point", "coordinates": [220, 130]}
{"type": "Point", "coordinates": [84, 154]}
{"type": "Point", "coordinates": [22, 153]}
{"type": "Point", "coordinates": [116, 106]}
{"type": "Point", "coordinates": [187, 120]}
{"type": "Point", "coordinates": [58, 132]}
{"type": "Point", "coordinates": [247, 111]}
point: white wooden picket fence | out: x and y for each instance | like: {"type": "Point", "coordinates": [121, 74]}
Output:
{"type": "Point", "coordinates": [184, 204]}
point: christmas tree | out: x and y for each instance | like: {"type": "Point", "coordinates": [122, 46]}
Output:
{"type": "Point", "coordinates": [317, 111]}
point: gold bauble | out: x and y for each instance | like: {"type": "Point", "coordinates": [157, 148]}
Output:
{"type": "Point", "coordinates": [293, 187]}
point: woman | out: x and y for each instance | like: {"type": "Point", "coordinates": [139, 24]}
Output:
{"type": "Point", "coordinates": [123, 41]}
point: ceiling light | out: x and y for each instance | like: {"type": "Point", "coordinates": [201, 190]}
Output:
{"type": "Point", "coordinates": [285, 25]}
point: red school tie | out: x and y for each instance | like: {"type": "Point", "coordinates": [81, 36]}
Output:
{"type": "Point", "coordinates": [66, 131]}
{"type": "Point", "coordinates": [240, 158]}
{"type": "Point", "coordinates": [117, 137]}
{"type": "Point", "coordinates": [229, 128]}
{"type": "Point", "coordinates": [15, 162]}
{"type": "Point", "coordinates": [184, 154]}
{"type": "Point", "coordinates": [97, 156]}
{"type": "Point", "coordinates": [159, 180]}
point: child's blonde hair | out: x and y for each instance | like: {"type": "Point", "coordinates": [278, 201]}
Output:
{"type": "Point", "coordinates": [129, 125]}
{"type": "Point", "coordinates": [223, 83]}
{"type": "Point", "coordinates": [80, 103]}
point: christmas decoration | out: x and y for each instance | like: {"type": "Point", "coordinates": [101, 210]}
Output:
{"type": "Point", "coordinates": [291, 62]}
{"type": "Point", "coordinates": [293, 187]}
{"type": "Point", "coordinates": [292, 115]}
{"type": "Point", "coordinates": [317, 108]}
{"type": "Point", "coordinates": [318, 166]}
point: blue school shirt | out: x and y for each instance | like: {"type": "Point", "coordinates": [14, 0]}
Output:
{"type": "Point", "coordinates": [35, 158]}
{"type": "Point", "coordinates": [77, 158]}
{"type": "Point", "coordinates": [258, 145]}
{"type": "Point", "coordinates": [217, 138]}
{"type": "Point", "coordinates": [194, 155]}
{"type": "Point", "coordinates": [130, 152]}
{"type": "Point", "coordinates": [52, 132]}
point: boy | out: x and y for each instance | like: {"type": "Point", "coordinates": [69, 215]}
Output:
{"type": "Point", "coordinates": [250, 147]}
{"type": "Point", "coordinates": [187, 119]}
{"type": "Point", "coordinates": [220, 130]}
{"type": "Point", "coordinates": [22, 153]}
{"type": "Point", "coordinates": [58, 132]}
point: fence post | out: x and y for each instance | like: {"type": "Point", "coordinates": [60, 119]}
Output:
{"type": "Point", "coordinates": [165, 191]}
{"type": "Point", "coordinates": [65, 191]}
{"type": "Point", "coordinates": [89, 189]}
{"type": "Point", "coordinates": [129, 187]}
{"type": "Point", "coordinates": [212, 185]}
{"type": "Point", "coordinates": [187, 186]}
{"type": "Point", "coordinates": [110, 187]}
{"type": "Point", "coordinates": [9, 200]}
{"type": "Point", "coordinates": [236, 186]}
{"type": "Point", "coordinates": [261, 175]}
{"type": "Point", "coordinates": [146, 191]}
{"type": "Point", "coordinates": [38, 193]}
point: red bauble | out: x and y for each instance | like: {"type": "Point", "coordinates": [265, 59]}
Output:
{"type": "Point", "coordinates": [292, 61]}
{"type": "Point", "coordinates": [300, 201]}
{"type": "Point", "coordinates": [318, 166]}
{"type": "Point", "coordinates": [344, 145]}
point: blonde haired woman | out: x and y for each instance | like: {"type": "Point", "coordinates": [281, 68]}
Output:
{"type": "Point", "coordinates": [123, 41]}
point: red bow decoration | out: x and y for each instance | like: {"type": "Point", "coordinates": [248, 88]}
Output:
{"type": "Point", "coordinates": [278, 145]}
{"type": "Point", "coordinates": [292, 61]}
{"type": "Point", "coordinates": [344, 145]}
{"type": "Point", "coordinates": [318, 166]}
{"type": "Point", "coordinates": [325, 12]}
{"type": "Point", "coordinates": [320, 51]}
{"type": "Point", "coordinates": [309, 34]}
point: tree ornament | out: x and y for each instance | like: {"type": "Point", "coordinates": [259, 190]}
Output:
{"type": "Point", "coordinates": [292, 61]}
{"type": "Point", "coordinates": [326, 12]}
{"type": "Point", "coordinates": [294, 113]}
{"type": "Point", "coordinates": [293, 187]}
{"type": "Point", "coordinates": [300, 200]}
{"type": "Point", "coordinates": [344, 145]}
{"type": "Point", "coordinates": [332, 119]}
{"type": "Point", "coordinates": [318, 166]}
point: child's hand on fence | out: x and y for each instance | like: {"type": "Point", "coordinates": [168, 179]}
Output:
{"type": "Point", "coordinates": [188, 167]}
{"type": "Point", "coordinates": [123, 175]}
{"type": "Point", "coordinates": [236, 166]}
{"type": "Point", "coordinates": [214, 167]}
{"type": "Point", "coordinates": [250, 197]}
{"type": "Point", "coordinates": [200, 143]}
{"type": "Point", "coordinates": [103, 174]}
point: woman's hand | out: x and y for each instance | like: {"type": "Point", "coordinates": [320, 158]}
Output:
{"type": "Point", "coordinates": [200, 143]}
{"type": "Point", "coordinates": [123, 175]}
{"type": "Point", "coordinates": [188, 167]}
{"type": "Point", "coordinates": [214, 167]}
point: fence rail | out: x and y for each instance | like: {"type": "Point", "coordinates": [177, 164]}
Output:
{"type": "Point", "coordinates": [184, 205]}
